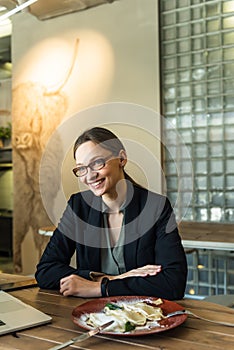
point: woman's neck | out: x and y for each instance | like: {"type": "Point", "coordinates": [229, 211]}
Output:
{"type": "Point", "coordinates": [115, 200]}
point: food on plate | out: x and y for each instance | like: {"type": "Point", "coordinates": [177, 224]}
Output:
{"type": "Point", "coordinates": [128, 315]}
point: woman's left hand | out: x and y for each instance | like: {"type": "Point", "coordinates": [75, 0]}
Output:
{"type": "Point", "coordinates": [79, 287]}
{"type": "Point", "coordinates": [144, 271]}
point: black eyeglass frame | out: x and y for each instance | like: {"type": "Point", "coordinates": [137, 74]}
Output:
{"type": "Point", "coordinates": [102, 164]}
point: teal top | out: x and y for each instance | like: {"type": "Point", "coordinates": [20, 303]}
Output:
{"type": "Point", "coordinates": [112, 258]}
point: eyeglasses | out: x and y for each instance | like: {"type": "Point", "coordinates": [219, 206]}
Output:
{"type": "Point", "coordinates": [96, 165]}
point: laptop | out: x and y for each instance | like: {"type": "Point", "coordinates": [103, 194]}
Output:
{"type": "Point", "coordinates": [16, 315]}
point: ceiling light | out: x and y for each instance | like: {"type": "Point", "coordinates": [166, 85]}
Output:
{"type": "Point", "coordinates": [16, 9]}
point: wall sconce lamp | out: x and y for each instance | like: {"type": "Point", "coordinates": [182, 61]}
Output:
{"type": "Point", "coordinates": [45, 9]}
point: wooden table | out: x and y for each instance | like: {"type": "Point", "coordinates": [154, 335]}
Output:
{"type": "Point", "coordinates": [193, 334]}
{"type": "Point", "coordinates": [9, 281]}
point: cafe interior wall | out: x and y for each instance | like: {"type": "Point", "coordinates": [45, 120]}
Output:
{"type": "Point", "coordinates": [61, 67]}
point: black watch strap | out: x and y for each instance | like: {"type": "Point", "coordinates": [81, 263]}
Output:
{"type": "Point", "coordinates": [104, 285]}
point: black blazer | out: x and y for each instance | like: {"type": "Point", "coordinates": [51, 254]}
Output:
{"type": "Point", "coordinates": [151, 237]}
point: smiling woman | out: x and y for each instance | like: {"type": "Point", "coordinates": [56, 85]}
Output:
{"type": "Point", "coordinates": [125, 237]}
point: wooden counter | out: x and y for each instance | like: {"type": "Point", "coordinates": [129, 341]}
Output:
{"type": "Point", "coordinates": [201, 236]}
{"type": "Point", "coordinates": [207, 236]}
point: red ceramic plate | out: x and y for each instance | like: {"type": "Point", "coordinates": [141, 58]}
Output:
{"type": "Point", "coordinates": [81, 312]}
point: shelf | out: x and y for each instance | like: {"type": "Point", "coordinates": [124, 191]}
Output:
{"type": "Point", "coordinates": [5, 157]}
{"type": "Point", "coordinates": [5, 149]}
{"type": "Point", "coordinates": [5, 165]}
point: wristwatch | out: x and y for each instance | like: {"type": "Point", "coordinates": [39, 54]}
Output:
{"type": "Point", "coordinates": [104, 286]}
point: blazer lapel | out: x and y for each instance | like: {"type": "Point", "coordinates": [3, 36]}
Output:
{"type": "Point", "coordinates": [131, 230]}
{"type": "Point", "coordinates": [93, 234]}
